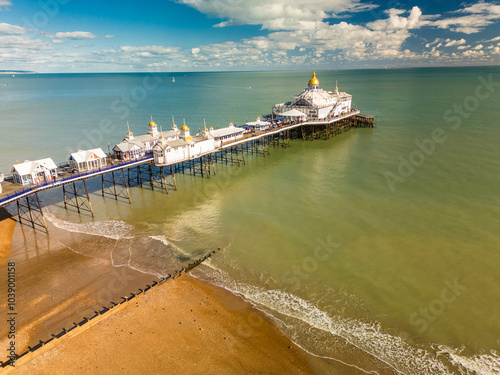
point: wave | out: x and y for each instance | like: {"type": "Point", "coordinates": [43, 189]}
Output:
{"type": "Point", "coordinates": [368, 337]}
{"type": "Point", "coordinates": [481, 364]}
{"type": "Point", "coordinates": [114, 229]}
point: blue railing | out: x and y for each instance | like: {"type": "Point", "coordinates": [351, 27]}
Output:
{"type": "Point", "coordinates": [74, 176]}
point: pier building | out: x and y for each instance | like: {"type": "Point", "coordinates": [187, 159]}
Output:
{"type": "Point", "coordinates": [258, 125]}
{"type": "Point", "coordinates": [87, 160]}
{"type": "Point", "coordinates": [186, 147]}
{"type": "Point", "coordinates": [134, 147]}
{"type": "Point", "coordinates": [228, 134]}
{"type": "Point", "coordinates": [34, 172]}
{"type": "Point", "coordinates": [316, 103]}
{"type": "Point", "coordinates": [177, 151]}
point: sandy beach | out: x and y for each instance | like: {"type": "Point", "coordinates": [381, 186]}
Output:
{"type": "Point", "coordinates": [185, 326]}
{"type": "Point", "coordinates": [7, 225]}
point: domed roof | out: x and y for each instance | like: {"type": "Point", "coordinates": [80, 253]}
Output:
{"type": "Point", "coordinates": [152, 123]}
{"type": "Point", "coordinates": [184, 127]}
{"type": "Point", "coordinates": [313, 81]}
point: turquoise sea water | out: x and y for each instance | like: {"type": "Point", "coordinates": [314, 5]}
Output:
{"type": "Point", "coordinates": [387, 239]}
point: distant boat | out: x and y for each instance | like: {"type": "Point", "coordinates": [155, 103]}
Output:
{"type": "Point", "coordinates": [173, 79]}
{"type": "Point", "coordinates": [13, 75]}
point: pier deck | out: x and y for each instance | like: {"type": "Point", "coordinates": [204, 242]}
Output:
{"type": "Point", "coordinates": [256, 143]}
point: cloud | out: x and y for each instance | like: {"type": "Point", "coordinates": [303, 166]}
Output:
{"type": "Point", "coordinates": [451, 43]}
{"type": "Point", "coordinates": [23, 42]}
{"type": "Point", "coordinates": [496, 39]}
{"type": "Point", "coordinates": [147, 51]}
{"type": "Point", "coordinates": [5, 3]}
{"type": "Point", "coordinates": [276, 15]}
{"type": "Point", "coordinates": [78, 35]}
{"type": "Point", "coordinates": [476, 18]}
{"type": "Point", "coordinates": [7, 29]}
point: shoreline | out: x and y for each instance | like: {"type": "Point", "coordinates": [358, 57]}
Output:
{"type": "Point", "coordinates": [187, 325]}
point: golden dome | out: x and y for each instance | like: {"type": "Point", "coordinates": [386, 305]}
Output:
{"type": "Point", "coordinates": [313, 80]}
{"type": "Point", "coordinates": [204, 128]}
{"type": "Point", "coordinates": [184, 127]}
{"type": "Point", "coordinates": [152, 123]}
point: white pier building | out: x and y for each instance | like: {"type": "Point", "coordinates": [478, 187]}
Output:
{"type": "Point", "coordinates": [316, 103]}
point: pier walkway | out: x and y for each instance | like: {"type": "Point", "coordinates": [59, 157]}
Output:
{"type": "Point", "coordinates": [144, 171]}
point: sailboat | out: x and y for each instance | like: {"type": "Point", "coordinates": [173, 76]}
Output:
{"type": "Point", "coordinates": [173, 79]}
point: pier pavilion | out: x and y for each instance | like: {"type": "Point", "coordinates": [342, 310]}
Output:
{"type": "Point", "coordinates": [134, 147]}
{"type": "Point", "coordinates": [316, 103]}
{"type": "Point", "coordinates": [87, 160]}
{"type": "Point", "coordinates": [34, 172]}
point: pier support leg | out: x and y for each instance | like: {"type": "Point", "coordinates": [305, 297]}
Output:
{"type": "Point", "coordinates": [30, 211]}
{"type": "Point", "coordinates": [77, 195]}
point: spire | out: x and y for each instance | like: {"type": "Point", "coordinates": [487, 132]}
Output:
{"type": "Point", "coordinates": [336, 88]}
{"type": "Point", "coordinates": [129, 135]}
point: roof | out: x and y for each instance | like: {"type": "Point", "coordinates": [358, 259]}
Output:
{"type": "Point", "coordinates": [128, 146]}
{"type": "Point", "coordinates": [224, 132]}
{"type": "Point", "coordinates": [201, 137]}
{"type": "Point", "coordinates": [172, 144]}
{"type": "Point", "coordinates": [293, 113]}
{"type": "Point", "coordinates": [150, 138]}
{"type": "Point", "coordinates": [258, 123]}
{"type": "Point", "coordinates": [84, 155]}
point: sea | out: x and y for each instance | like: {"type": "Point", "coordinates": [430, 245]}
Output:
{"type": "Point", "coordinates": [375, 246]}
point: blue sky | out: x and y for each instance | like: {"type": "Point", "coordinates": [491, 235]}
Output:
{"type": "Point", "coordinates": [206, 35]}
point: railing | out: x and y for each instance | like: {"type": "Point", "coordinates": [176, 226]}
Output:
{"type": "Point", "coordinates": [60, 181]}
{"type": "Point", "coordinates": [77, 175]}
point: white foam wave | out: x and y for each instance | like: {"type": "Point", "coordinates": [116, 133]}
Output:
{"type": "Point", "coordinates": [481, 364]}
{"type": "Point", "coordinates": [160, 238]}
{"type": "Point", "coordinates": [368, 337]}
{"type": "Point", "coordinates": [114, 229]}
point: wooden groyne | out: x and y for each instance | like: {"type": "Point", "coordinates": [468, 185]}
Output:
{"type": "Point", "coordinates": [99, 315]}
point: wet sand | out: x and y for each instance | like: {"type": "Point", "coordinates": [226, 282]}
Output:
{"type": "Point", "coordinates": [182, 326]}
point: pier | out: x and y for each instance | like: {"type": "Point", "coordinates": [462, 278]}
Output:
{"type": "Point", "coordinates": [117, 177]}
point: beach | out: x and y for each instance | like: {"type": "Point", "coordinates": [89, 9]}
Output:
{"type": "Point", "coordinates": [7, 225]}
{"type": "Point", "coordinates": [183, 326]}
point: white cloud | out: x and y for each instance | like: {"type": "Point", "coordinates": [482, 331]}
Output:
{"type": "Point", "coordinates": [279, 14]}
{"type": "Point", "coordinates": [479, 46]}
{"type": "Point", "coordinates": [496, 39]}
{"type": "Point", "coordinates": [7, 29]}
{"type": "Point", "coordinates": [451, 43]}
{"type": "Point", "coordinates": [22, 41]}
{"type": "Point", "coordinates": [76, 35]}
{"type": "Point", "coordinates": [5, 3]}
{"type": "Point", "coordinates": [464, 47]}
{"type": "Point", "coordinates": [476, 18]}
{"type": "Point", "coordinates": [147, 51]}
{"type": "Point", "coordinates": [57, 41]}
